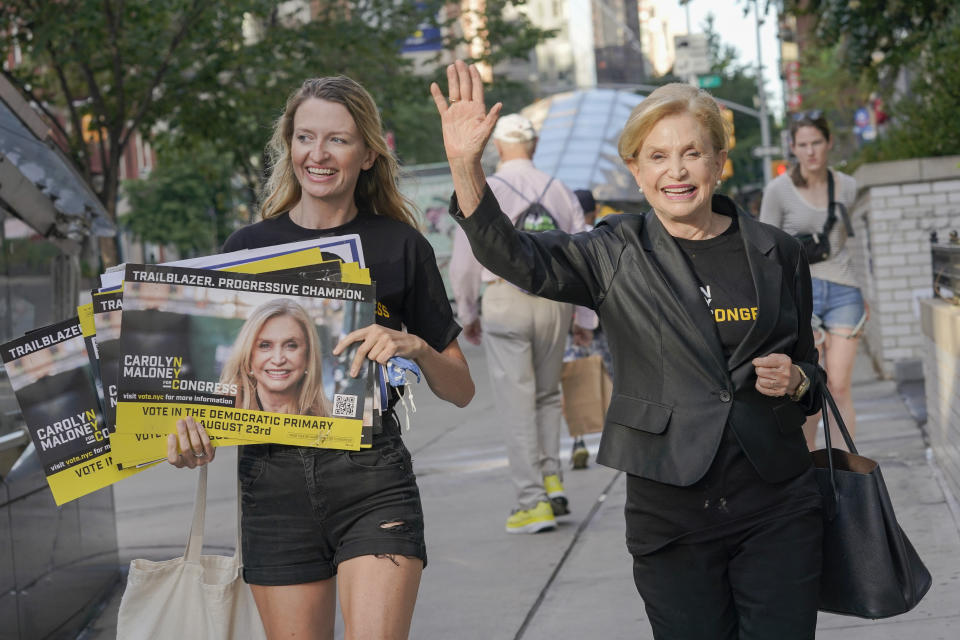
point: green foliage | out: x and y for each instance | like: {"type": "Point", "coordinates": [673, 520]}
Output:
{"type": "Point", "coordinates": [878, 37]}
{"type": "Point", "coordinates": [924, 121]}
{"type": "Point", "coordinates": [838, 90]}
{"type": "Point", "coordinates": [918, 40]}
{"type": "Point", "coordinates": [216, 74]}
{"type": "Point", "coordinates": [189, 201]}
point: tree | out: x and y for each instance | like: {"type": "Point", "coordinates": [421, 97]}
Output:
{"type": "Point", "coordinates": [115, 64]}
{"type": "Point", "coordinates": [866, 46]}
{"type": "Point", "coordinates": [924, 120]}
{"type": "Point", "coordinates": [837, 89]}
{"type": "Point", "coordinates": [190, 200]}
{"type": "Point", "coordinates": [878, 37]}
{"type": "Point", "coordinates": [215, 72]}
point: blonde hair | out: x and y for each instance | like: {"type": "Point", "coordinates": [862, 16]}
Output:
{"type": "Point", "coordinates": [311, 400]}
{"type": "Point", "coordinates": [376, 189]}
{"type": "Point", "coordinates": [672, 99]}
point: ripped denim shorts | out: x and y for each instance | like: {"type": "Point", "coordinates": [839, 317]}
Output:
{"type": "Point", "coordinates": [306, 510]}
{"type": "Point", "coordinates": [837, 307]}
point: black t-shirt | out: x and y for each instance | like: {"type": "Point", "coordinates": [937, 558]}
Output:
{"type": "Point", "coordinates": [721, 267]}
{"type": "Point", "coordinates": [410, 291]}
{"type": "Point", "coordinates": [731, 496]}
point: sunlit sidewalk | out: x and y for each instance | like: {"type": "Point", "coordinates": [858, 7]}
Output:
{"type": "Point", "coordinates": [574, 582]}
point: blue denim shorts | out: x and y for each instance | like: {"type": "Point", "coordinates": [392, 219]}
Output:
{"type": "Point", "coordinates": [836, 305]}
{"type": "Point", "coordinates": [306, 510]}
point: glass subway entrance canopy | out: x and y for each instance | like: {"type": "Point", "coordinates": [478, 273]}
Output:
{"type": "Point", "coordinates": [578, 140]}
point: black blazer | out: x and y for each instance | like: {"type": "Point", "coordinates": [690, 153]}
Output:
{"type": "Point", "coordinates": [673, 390]}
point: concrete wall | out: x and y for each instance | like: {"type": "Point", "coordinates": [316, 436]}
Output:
{"type": "Point", "coordinates": [898, 205]}
{"type": "Point", "coordinates": [941, 372]}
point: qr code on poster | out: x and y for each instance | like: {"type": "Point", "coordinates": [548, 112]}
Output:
{"type": "Point", "coordinates": [344, 406]}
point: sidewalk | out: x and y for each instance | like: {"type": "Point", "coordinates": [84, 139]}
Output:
{"type": "Point", "coordinates": [576, 581]}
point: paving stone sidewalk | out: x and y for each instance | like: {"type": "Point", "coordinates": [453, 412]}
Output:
{"type": "Point", "coordinates": [574, 582]}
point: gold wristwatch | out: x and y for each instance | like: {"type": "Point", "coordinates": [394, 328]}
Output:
{"type": "Point", "coordinates": [802, 387]}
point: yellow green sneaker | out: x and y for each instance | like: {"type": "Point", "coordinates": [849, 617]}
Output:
{"type": "Point", "coordinates": [558, 499]}
{"type": "Point", "coordinates": [540, 518]}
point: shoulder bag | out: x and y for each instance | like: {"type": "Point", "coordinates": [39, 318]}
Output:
{"type": "Point", "coordinates": [816, 246]}
{"type": "Point", "coordinates": [194, 596]}
{"type": "Point", "coordinates": [870, 569]}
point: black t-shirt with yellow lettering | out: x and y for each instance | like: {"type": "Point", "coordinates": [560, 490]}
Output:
{"type": "Point", "coordinates": [721, 267]}
{"type": "Point", "coordinates": [410, 291]}
{"type": "Point", "coordinates": [731, 497]}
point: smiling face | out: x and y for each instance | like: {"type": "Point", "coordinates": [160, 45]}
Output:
{"type": "Point", "coordinates": [279, 359]}
{"type": "Point", "coordinates": [327, 151]}
{"type": "Point", "coordinates": [677, 168]}
{"type": "Point", "coordinates": [811, 148]}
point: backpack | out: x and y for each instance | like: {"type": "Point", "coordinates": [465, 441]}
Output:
{"type": "Point", "coordinates": [535, 217]}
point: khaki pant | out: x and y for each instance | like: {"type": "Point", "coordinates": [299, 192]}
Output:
{"type": "Point", "coordinates": [524, 337]}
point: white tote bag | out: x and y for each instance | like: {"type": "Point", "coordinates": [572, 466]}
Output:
{"type": "Point", "coordinates": [194, 596]}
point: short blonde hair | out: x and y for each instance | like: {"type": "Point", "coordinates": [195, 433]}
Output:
{"type": "Point", "coordinates": [669, 100]}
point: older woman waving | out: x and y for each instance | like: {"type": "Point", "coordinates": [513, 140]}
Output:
{"type": "Point", "coordinates": [707, 313]}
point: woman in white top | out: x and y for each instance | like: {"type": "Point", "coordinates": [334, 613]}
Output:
{"type": "Point", "coordinates": [798, 203]}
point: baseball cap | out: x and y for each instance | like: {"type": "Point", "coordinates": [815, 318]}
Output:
{"type": "Point", "coordinates": [514, 128]}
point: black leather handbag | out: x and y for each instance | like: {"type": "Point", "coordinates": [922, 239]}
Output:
{"type": "Point", "coordinates": [816, 246]}
{"type": "Point", "coordinates": [870, 569]}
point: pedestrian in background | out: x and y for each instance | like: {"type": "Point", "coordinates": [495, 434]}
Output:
{"type": "Point", "coordinates": [707, 312]}
{"type": "Point", "coordinates": [320, 525]}
{"type": "Point", "coordinates": [523, 335]}
{"type": "Point", "coordinates": [586, 388]}
{"type": "Point", "coordinates": [799, 203]}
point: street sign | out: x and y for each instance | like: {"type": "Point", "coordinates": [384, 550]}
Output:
{"type": "Point", "coordinates": [692, 54]}
{"type": "Point", "coordinates": [709, 82]}
{"type": "Point", "coordinates": [768, 152]}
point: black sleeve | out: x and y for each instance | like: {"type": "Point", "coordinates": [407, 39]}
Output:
{"type": "Point", "coordinates": [805, 355]}
{"type": "Point", "coordinates": [236, 241]}
{"type": "Point", "coordinates": [576, 268]}
{"type": "Point", "coordinates": [426, 308]}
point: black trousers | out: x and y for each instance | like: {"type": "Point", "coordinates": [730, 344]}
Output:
{"type": "Point", "coordinates": [757, 584]}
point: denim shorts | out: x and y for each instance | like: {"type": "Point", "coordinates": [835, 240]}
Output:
{"type": "Point", "coordinates": [306, 510]}
{"type": "Point", "coordinates": [836, 305]}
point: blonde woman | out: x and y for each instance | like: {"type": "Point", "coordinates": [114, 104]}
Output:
{"type": "Point", "coordinates": [321, 523]}
{"type": "Point", "coordinates": [276, 362]}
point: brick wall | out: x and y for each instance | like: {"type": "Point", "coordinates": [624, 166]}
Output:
{"type": "Point", "coordinates": [941, 373]}
{"type": "Point", "coordinates": [898, 205]}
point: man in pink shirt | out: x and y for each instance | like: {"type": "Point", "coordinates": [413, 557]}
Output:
{"type": "Point", "coordinates": [524, 336]}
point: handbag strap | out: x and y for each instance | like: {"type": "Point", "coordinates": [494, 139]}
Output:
{"type": "Point", "coordinates": [195, 541]}
{"type": "Point", "coordinates": [832, 206]}
{"type": "Point", "coordinates": [827, 406]}
{"type": "Point", "coordinates": [237, 549]}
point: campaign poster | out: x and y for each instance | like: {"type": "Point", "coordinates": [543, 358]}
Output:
{"type": "Point", "coordinates": [52, 379]}
{"type": "Point", "coordinates": [248, 356]}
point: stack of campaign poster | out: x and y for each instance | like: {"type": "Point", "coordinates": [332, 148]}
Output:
{"type": "Point", "coordinates": [219, 346]}
{"type": "Point", "coordinates": [53, 380]}
{"type": "Point", "coordinates": [101, 392]}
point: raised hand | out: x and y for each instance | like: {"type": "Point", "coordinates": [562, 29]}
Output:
{"type": "Point", "coordinates": [465, 122]}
